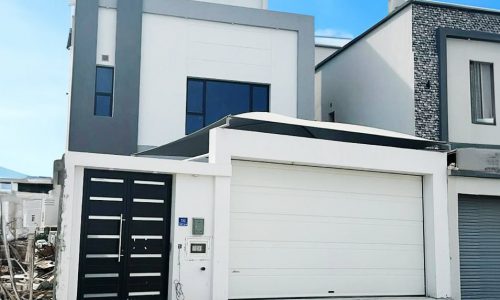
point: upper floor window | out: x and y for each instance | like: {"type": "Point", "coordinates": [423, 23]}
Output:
{"type": "Point", "coordinates": [103, 101]}
{"type": "Point", "coordinates": [210, 100]}
{"type": "Point", "coordinates": [482, 93]}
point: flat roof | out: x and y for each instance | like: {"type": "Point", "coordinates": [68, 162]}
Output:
{"type": "Point", "coordinates": [401, 8]}
{"type": "Point", "coordinates": [197, 143]}
{"type": "Point", "coordinates": [331, 42]}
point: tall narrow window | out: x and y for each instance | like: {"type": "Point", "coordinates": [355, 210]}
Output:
{"type": "Point", "coordinates": [210, 100]}
{"type": "Point", "coordinates": [103, 101]}
{"type": "Point", "coordinates": [482, 93]}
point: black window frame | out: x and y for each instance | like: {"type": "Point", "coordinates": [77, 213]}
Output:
{"type": "Point", "coordinates": [110, 94]}
{"type": "Point", "coordinates": [251, 85]}
{"type": "Point", "coordinates": [476, 120]}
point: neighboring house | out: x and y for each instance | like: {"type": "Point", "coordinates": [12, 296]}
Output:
{"type": "Point", "coordinates": [24, 201]}
{"type": "Point", "coordinates": [431, 70]}
{"type": "Point", "coordinates": [145, 73]}
{"type": "Point", "coordinates": [326, 46]}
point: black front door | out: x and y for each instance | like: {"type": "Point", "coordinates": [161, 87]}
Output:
{"type": "Point", "coordinates": [124, 243]}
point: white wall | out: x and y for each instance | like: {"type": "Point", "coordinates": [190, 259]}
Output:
{"type": "Point", "coordinates": [463, 185]}
{"type": "Point", "coordinates": [50, 208]}
{"type": "Point", "coordinates": [174, 49]}
{"type": "Point", "coordinates": [106, 36]}
{"type": "Point", "coordinates": [320, 53]}
{"type": "Point", "coordinates": [203, 190]}
{"type": "Point", "coordinates": [460, 127]}
{"type": "Point", "coordinates": [193, 196]}
{"type": "Point", "coordinates": [246, 3]}
{"type": "Point", "coordinates": [371, 82]}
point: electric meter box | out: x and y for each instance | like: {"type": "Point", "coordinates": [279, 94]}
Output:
{"type": "Point", "coordinates": [197, 248]}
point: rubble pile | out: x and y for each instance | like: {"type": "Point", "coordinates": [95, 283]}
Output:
{"type": "Point", "coordinates": [32, 266]}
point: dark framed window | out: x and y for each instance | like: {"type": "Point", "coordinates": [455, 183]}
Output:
{"type": "Point", "coordinates": [103, 100]}
{"type": "Point", "coordinates": [482, 93]}
{"type": "Point", "coordinates": [211, 100]}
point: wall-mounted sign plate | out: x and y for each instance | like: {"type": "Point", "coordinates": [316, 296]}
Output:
{"type": "Point", "coordinates": [198, 226]}
{"type": "Point", "coordinates": [183, 221]}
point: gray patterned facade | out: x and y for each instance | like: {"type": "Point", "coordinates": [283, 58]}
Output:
{"type": "Point", "coordinates": [426, 21]}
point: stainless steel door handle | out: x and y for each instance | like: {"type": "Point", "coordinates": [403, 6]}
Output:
{"type": "Point", "coordinates": [120, 238]}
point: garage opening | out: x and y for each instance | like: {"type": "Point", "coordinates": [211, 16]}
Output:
{"type": "Point", "coordinates": [479, 241]}
{"type": "Point", "coordinates": [300, 231]}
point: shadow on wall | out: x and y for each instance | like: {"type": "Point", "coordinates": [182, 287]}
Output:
{"type": "Point", "coordinates": [365, 87]}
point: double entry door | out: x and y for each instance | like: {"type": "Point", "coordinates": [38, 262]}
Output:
{"type": "Point", "coordinates": [125, 239]}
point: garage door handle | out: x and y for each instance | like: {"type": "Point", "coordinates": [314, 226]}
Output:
{"type": "Point", "coordinates": [120, 239]}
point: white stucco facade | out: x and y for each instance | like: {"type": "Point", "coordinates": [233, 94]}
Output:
{"type": "Point", "coordinates": [375, 72]}
{"type": "Point", "coordinates": [174, 49]}
{"type": "Point", "coordinates": [106, 36]}
{"type": "Point", "coordinates": [460, 126]}
{"type": "Point", "coordinates": [204, 190]}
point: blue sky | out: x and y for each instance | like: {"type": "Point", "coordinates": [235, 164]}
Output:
{"type": "Point", "coordinates": [34, 68]}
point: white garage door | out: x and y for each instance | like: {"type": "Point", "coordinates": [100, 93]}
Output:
{"type": "Point", "coordinates": [311, 232]}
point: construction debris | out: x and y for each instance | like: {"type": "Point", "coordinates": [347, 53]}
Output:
{"type": "Point", "coordinates": [26, 266]}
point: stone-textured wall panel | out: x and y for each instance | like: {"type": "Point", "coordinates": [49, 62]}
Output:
{"type": "Point", "coordinates": [426, 20]}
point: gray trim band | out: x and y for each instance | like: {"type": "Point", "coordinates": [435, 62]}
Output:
{"type": "Point", "coordinates": [477, 174]}
{"type": "Point", "coordinates": [442, 35]}
{"type": "Point", "coordinates": [480, 146]}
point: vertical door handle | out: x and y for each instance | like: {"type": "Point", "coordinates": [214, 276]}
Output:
{"type": "Point", "coordinates": [120, 239]}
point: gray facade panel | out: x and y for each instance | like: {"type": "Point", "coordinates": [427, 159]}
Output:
{"type": "Point", "coordinates": [116, 134]}
{"type": "Point", "coordinates": [83, 77]}
{"type": "Point", "coordinates": [427, 19]}
{"type": "Point", "coordinates": [127, 73]}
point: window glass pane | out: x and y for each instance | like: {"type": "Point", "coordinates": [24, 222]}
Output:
{"type": "Point", "coordinates": [225, 98]}
{"type": "Point", "coordinates": [193, 123]}
{"type": "Point", "coordinates": [260, 98]}
{"type": "Point", "coordinates": [475, 89]}
{"type": "Point", "coordinates": [104, 80]}
{"type": "Point", "coordinates": [487, 95]}
{"type": "Point", "coordinates": [102, 106]}
{"type": "Point", "coordinates": [195, 96]}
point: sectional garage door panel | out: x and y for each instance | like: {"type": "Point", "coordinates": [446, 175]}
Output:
{"type": "Point", "coordinates": [311, 232]}
{"type": "Point", "coordinates": [479, 240]}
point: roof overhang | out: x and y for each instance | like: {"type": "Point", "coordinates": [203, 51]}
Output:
{"type": "Point", "coordinates": [197, 143]}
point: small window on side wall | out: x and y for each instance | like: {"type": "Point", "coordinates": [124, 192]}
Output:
{"type": "Point", "coordinates": [103, 100]}
{"type": "Point", "coordinates": [482, 93]}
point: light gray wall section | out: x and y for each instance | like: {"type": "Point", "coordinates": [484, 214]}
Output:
{"type": "Point", "coordinates": [304, 25]}
{"type": "Point", "coordinates": [117, 134]}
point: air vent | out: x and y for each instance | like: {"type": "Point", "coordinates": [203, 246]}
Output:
{"type": "Point", "coordinates": [105, 57]}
